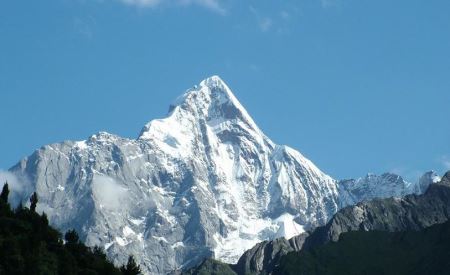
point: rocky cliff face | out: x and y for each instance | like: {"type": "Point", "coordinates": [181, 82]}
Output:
{"type": "Point", "coordinates": [412, 212]}
{"type": "Point", "coordinates": [204, 181]}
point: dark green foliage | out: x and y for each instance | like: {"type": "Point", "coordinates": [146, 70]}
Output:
{"type": "Point", "coordinates": [376, 252]}
{"type": "Point", "coordinates": [131, 268]}
{"type": "Point", "coordinates": [211, 267]}
{"type": "Point", "coordinates": [71, 237]}
{"type": "Point", "coordinates": [33, 201]}
{"type": "Point", "coordinates": [5, 193]}
{"type": "Point", "coordinates": [5, 209]}
{"type": "Point", "coordinates": [28, 245]}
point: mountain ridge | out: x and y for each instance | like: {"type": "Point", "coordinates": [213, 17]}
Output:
{"type": "Point", "coordinates": [198, 183]}
{"type": "Point", "coordinates": [410, 213]}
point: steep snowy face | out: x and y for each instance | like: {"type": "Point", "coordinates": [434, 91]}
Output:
{"type": "Point", "coordinates": [207, 110]}
{"type": "Point", "coordinates": [252, 180]}
{"type": "Point", "coordinates": [205, 181]}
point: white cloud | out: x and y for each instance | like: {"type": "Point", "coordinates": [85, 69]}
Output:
{"type": "Point", "coordinates": [410, 175]}
{"type": "Point", "coordinates": [142, 3]}
{"type": "Point", "coordinates": [108, 192]}
{"type": "Point", "coordinates": [213, 5]}
{"type": "Point", "coordinates": [445, 162]}
{"type": "Point", "coordinates": [84, 26]}
{"type": "Point", "coordinates": [19, 188]}
{"type": "Point", "coordinates": [329, 3]}
{"type": "Point", "coordinates": [264, 22]}
{"type": "Point", "coordinates": [285, 15]}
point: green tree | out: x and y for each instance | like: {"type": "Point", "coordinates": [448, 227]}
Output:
{"type": "Point", "coordinates": [71, 237]}
{"type": "Point", "coordinates": [33, 201]}
{"type": "Point", "coordinates": [131, 268]}
{"type": "Point", "coordinates": [28, 245]}
{"type": "Point", "coordinates": [5, 193]}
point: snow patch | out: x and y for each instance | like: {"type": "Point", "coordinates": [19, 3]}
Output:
{"type": "Point", "coordinates": [81, 145]}
{"type": "Point", "coordinates": [127, 231]}
{"type": "Point", "coordinates": [177, 244]}
{"type": "Point", "coordinates": [137, 221]}
{"type": "Point", "coordinates": [108, 245]}
{"type": "Point", "coordinates": [161, 239]}
{"type": "Point", "coordinates": [120, 241]}
{"type": "Point", "coordinates": [288, 228]}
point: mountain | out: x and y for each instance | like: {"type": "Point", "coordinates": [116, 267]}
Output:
{"type": "Point", "coordinates": [387, 185]}
{"type": "Point", "coordinates": [412, 212]}
{"type": "Point", "coordinates": [203, 182]}
{"type": "Point", "coordinates": [375, 252]}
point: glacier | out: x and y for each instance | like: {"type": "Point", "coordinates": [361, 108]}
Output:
{"type": "Point", "coordinates": [203, 182]}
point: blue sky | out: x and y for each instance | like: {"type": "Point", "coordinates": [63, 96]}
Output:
{"type": "Point", "coordinates": [356, 86]}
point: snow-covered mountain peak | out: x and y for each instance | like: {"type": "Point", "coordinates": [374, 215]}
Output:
{"type": "Point", "coordinates": [204, 181]}
{"type": "Point", "coordinates": [213, 101]}
{"type": "Point", "coordinates": [213, 81]}
{"type": "Point", "coordinates": [209, 107]}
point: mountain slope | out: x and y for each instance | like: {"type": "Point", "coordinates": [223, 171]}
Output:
{"type": "Point", "coordinates": [375, 252]}
{"type": "Point", "coordinates": [203, 182]}
{"type": "Point", "coordinates": [413, 212]}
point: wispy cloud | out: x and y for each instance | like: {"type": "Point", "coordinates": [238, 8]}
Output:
{"type": "Point", "coordinates": [84, 26]}
{"type": "Point", "coordinates": [445, 162]}
{"type": "Point", "coordinates": [410, 175]}
{"type": "Point", "coordinates": [142, 3]}
{"type": "Point", "coordinates": [264, 22]}
{"type": "Point", "coordinates": [279, 22]}
{"type": "Point", "coordinates": [285, 15]}
{"type": "Point", "coordinates": [329, 3]}
{"type": "Point", "coordinates": [19, 188]}
{"type": "Point", "coordinates": [108, 192]}
{"type": "Point", "coordinates": [212, 5]}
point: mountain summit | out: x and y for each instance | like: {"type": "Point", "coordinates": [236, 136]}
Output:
{"type": "Point", "coordinates": [211, 103]}
{"type": "Point", "coordinates": [204, 181]}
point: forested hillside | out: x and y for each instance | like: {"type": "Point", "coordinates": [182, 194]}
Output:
{"type": "Point", "coordinates": [28, 245]}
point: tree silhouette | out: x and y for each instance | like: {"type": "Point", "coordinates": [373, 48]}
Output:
{"type": "Point", "coordinates": [71, 237]}
{"type": "Point", "coordinates": [5, 193]}
{"type": "Point", "coordinates": [34, 201]}
{"type": "Point", "coordinates": [28, 245]}
{"type": "Point", "coordinates": [131, 268]}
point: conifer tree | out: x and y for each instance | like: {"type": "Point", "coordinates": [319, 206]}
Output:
{"type": "Point", "coordinates": [5, 193]}
{"type": "Point", "coordinates": [34, 201]}
{"type": "Point", "coordinates": [131, 268]}
{"type": "Point", "coordinates": [19, 207]}
{"type": "Point", "coordinates": [44, 218]}
{"type": "Point", "coordinates": [71, 237]}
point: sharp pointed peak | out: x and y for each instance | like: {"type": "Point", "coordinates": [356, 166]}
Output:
{"type": "Point", "coordinates": [211, 89]}
{"type": "Point", "coordinates": [213, 98]}
{"type": "Point", "coordinates": [212, 101]}
{"type": "Point", "coordinates": [213, 81]}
